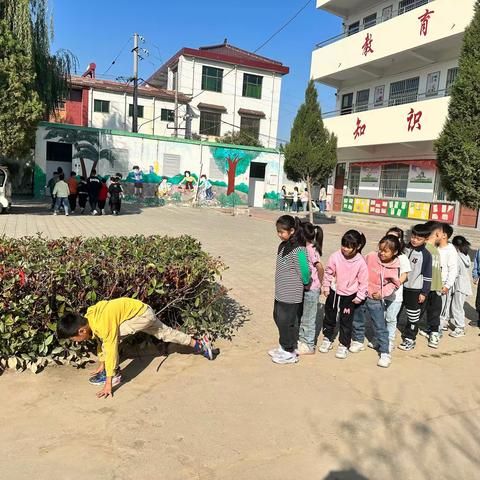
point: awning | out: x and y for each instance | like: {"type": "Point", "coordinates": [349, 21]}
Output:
{"type": "Point", "coordinates": [428, 164]}
{"type": "Point", "coordinates": [251, 113]}
{"type": "Point", "coordinates": [212, 108]}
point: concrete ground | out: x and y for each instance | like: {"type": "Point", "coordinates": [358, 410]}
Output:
{"type": "Point", "coordinates": [242, 417]}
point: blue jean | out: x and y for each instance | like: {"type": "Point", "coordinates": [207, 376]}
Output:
{"type": "Point", "coordinates": [322, 205]}
{"type": "Point", "coordinates": [309, 318]}
{"type": "Point", "coordinates": [62, 201]}
{"type": "Point", "coordinates": [376, 309]}
{"type": "Point", "coordinates": [391, 316]}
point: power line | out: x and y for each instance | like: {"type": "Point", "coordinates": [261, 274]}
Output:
{"type": "Point", "coordinates": [118, 56]}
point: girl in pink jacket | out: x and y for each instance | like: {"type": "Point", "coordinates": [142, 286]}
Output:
{"type": "Point", "coordinates": [383, 280]}
{"type": "Point", "coordinates": [345, 285]}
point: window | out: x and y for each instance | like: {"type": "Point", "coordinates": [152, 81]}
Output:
{"type": "Point", "coordinates": [433, 83]}
{"type": "Point", "coordinates": [210, 123]}
{"type": "Point", "coordinates": [101, 106]}
{"type": "Point", "coordinates": [353, 183]}
{"type": "Point", "coordinates": [2, 178]}
{"type": "Point", "coordinates": [167, 115]}
{"type": "Point", "coordinates": [394, 180]}
{"type": "Point", "coordinates": [451, 77]}
{"type": "Point", "coordinates": [250, 125]}
{"type": "Point", "coordinates": [75, 95]}
{"type": "Point", "coordinates": [139, 110]}
{"type": "Point", "coordinates": [363, 97]}
{"type": "Point", "coordinates": [370, 21]}
{"type": "Point", "coordinates": [171, 164]}
{"type": "Point", "coordinates": [212, 79]}
{"type": "Point", "coordinates": [405, 91]}
{"type": "Point", "coordinates": [60, 105]}
{"type": "Point", "coordinates": [174, 79]}
{"type": "Point", "coordinates": [353, 28]}
{"type": "Point", "coordinates": [347, 103]}
{"type": "Point", "coordinates": [440, 193]}
{"type": "Point", "coordinates": [387, 13]}
{"type": "Point", "coordinates": [252, 86]}
{"type": "Point", "coordinates": [407, 5]}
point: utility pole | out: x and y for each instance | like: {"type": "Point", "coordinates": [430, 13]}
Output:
{"type": "Point", "coordinates": [135, 83]}
{"type": "Point", "coordinates": [176, 104]}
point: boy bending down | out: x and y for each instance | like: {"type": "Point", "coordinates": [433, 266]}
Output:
{"type": "Point", "coordinates": [111, 321]}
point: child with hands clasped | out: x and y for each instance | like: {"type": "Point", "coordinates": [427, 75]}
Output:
{"type": "Point", "coordinates": [292, 274]}
{"type": "Point", "coordinates": [314, 238]}
{"type": "Point", "coordinates": [345, 285]}
{"type": "Point", "coordinates": [383, 270]}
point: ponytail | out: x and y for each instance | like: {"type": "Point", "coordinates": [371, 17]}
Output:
{"type": "Point", "coordinates": [314, 235]}
{"type": "Point", "coordinates": [354, 239]}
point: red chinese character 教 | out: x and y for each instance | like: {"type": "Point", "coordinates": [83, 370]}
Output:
{"type": "Point", "coordinates": [360, 130]}
{"type": "Point", "coordinates": [413, 120]}
{"type": "Point", "coordinates": [424, 21]}
{"type": "Point", "coordinates": [367, 46]}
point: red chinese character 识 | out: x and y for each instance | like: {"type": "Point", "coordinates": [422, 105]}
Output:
{"type": "Point", "coordinates": [413, 120]}
{"type": "Point", "coordinates": [360, 130]}
{"type": "Point", "coordinates": [424, 21]}
{"type": "Point", "coordinates": [367, 46]}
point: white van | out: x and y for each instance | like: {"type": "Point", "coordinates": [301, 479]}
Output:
{"type": "Point", "coordinates": [5, 190]}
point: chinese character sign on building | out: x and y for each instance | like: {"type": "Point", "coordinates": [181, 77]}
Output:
{"type": "Point", "coordinates": [360, 130]}
{"type": "Point", "coordinates": [367, 46]}
{"type": "Point", "coordinates": [413, 120]}
{"type": "Point", "coordinates": [424, 21]}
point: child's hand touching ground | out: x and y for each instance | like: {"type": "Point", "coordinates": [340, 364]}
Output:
{"type": "Point", "coordinates": [106, 390]}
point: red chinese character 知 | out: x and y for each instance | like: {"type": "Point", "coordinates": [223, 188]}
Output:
{"type": "Point", "coordinates": [360, 130]}
{"type": "Point", "coordinates": [413, 120]}
{"type": "Point", "coordinates": [367, 46]}
{"type": "Point", "coordinates": [424, 21]}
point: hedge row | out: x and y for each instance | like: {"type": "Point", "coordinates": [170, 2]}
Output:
{"type": "Point", "coordinates": [42, 279]}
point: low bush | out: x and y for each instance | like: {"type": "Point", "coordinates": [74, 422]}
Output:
{"type": "Point", "coordinates": [42, 279]}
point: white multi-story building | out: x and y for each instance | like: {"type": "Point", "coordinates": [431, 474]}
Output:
{"type": "Point", "coordinates": [230, 89]}
{"type": "Point", "coordinates": [392, 67]}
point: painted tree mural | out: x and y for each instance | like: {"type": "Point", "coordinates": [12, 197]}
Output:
{"type": "Point", "coordinates": [86, 144]}
{"type": "Point", "coordinates": [233, 162]}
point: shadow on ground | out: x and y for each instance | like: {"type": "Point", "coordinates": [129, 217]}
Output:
{"type": "Point", "coordinates": [43, 209]}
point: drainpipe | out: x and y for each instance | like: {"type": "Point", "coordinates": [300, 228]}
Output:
{"type": "Point", "coordinates": [153, 121]}
{"type": "Point", "coordinates": [271, 110]}
{"type": "Point", "coordinates": [235, 98]}
{"type": "Point", "coordinates": [90, 120]}
{"type": "Point", "coordinates": [125, 112]}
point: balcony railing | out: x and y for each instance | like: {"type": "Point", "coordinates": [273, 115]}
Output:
{"type": "Point", "coordinates": [397, 99]}
{"type": "Point", "coordinates": [371, 23]}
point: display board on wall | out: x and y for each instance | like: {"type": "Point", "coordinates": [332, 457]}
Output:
{"type": "Point", "coordinates": [361, 205]}
{"type": "Point", "coordinates": [397, 208]}
{"type": "Point", "coordinates": [378, 207]}
{"type": "Point", "coordinates": [347, 205]}
{"type": "Point", "coordinates": [442, 212]}
{"type": "Point", "coordinates": [419, 210]}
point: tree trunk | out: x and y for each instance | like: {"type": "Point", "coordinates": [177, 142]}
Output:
{"type": "Point", "coordinates": [94, 166]}
{"type": "Point", "coordinates": [84, 168]}
{"type": "Point", "coordinates": [309, 191]}
{"type": "Point", "coordinates": [232, 170]}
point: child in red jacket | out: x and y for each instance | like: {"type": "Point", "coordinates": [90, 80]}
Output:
{"type": "Point", "coordinates": [383, 279]}
{"type": "Point", "coordinates": [102, 196]}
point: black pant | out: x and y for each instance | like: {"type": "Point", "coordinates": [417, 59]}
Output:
{"type": "Point", "coordinates": [101, 204]}
{"type": "Point", "coordinates": [82, 201]}
{"type": "Point", "coordinates": [343, 308]}
{"type": "Point", "coordinates": [115, 204]}
{"type": "Point", "coordinates": [432, 308]}
{"type": "Point", "coordinates": [414, 311]}
{"type": "Point", "coordinates": [287, 317]}
{"type": "Point", "coordinates": [72, 200]}
{"type": "Point", "coordinates": [93, 200]}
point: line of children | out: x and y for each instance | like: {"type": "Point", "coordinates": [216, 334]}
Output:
{"type": "Point", "coordinates": [420, 278]}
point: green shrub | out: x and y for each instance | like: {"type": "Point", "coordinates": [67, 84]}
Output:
{"type": "Point", "coordinates": [42, 279]}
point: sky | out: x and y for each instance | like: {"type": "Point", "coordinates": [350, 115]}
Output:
{"type": "Point", "coordinates": [98, 30]}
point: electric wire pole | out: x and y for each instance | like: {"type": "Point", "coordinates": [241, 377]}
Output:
{"type": "Point", "coordinates": [135, 83]}
{"type": "Point", "coordinates": [176, 104]}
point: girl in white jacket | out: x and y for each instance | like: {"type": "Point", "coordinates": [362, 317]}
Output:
{"type": "Point", "coordinates": [462, 287]}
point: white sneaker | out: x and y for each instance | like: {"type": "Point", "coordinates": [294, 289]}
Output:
{"type": "Point", "coordinates": [357, 347]}
{"type": "Point", "coordinates": [67, 214]}
{"type": "Point", "coordinates": [94, 212]}
{"type": "Point", "coordinates": [273, 352]}
{"type": "Point", "coordinates": [285, 358]}
{"type": "Point", "coordinates": [342, 352]}
{"type": "Point", "coordinates": [385, 360]}
{"type": "Point", "coordinates": [103, 212]}
{"type": "Point", "coordinates": [424, 333]}
{"type": "Point", "coordinates": [55, 213]}
{"type": "Point", "coordinates": [458, 332]}
{"type": "Point", "coordinates": [325, 346]}
{"type": "Point", "coordinates": [434, 340]}
{"type": "Point", "coordinates": [304, 349]}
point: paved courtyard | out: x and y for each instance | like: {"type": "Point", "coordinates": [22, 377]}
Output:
{"type": "Point", "coordinates": [242, 417]}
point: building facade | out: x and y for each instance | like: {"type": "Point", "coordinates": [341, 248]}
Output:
{"type": "Point", "coordinates": [392, 67]}
{"type": "Point", "coordinates": [230, 89]}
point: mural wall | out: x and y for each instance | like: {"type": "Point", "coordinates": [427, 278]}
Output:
{"type": "Point", "coordinates": [160, 170]}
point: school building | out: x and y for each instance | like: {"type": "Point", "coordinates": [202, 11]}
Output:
{"type": "Point", "coordinates": [392, 67]}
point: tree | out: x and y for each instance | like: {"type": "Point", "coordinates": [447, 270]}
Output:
{"type": "Point", "coordinates": [86, 144]}
{"type": "Point", "coordinates": [311, 154]}
{"type": "Point", "coordinates": [233, 162]}
{"type": "Point", "coordinates": [240, 137]}
{"type": "Point", "coordinates": [29, 71]}
{"type": "Point", "coordinates": [458, 147]}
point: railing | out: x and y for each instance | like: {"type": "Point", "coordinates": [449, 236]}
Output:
{"type": "Point", "coordinates": [372, 23]}
{"type": "Point", "coordinates": [390, 102]}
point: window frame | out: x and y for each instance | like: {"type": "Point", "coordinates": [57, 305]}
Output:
{"type": "Point", "coordinates": [253, 131]}
{"type": "Point", "coordinates": [393, 185]}
{"type": "Point", "coordinates": [409, 5]}
{"type": "Point", "coordinates": [369, 21]}
{"type": "Point", "coordinates": [217, 126]}
{"type": "Point", "coordinates": [353, 180]}
{"type": "Point", "coordinates": [408, 94]}
{"type": "Point", "coordinates": [353, 28]}
{"type": "Point", "coordinates": [218, 78]}
{"type": "Point", "coordinates": [98, 101]}
{"type": "Point", "coordinates": [361, 106]}
{"type": "Point", "coordinates": [451, 72]}
{"type": "Point", "coordinates": [140, 111]}
{"type": "Point", "coordinates": [246, 84]}
{"type": "Point", "coordinates": [169, 116]}
{"type": "Point", "coordinates": [349, 109]}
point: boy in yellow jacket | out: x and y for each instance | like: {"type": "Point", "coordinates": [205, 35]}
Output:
{"type": "Point", "coordinates": [111, 321]}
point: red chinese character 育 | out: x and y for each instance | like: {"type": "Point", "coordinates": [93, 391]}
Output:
{"type": "Point", "coordinates": [360, 130]}
{"type": "Point", "coordinates": [367, 46]}
{"type": "Point", "coordinates": [413, 120]}
{"type": "Point", "coordinates": [424, 21]}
